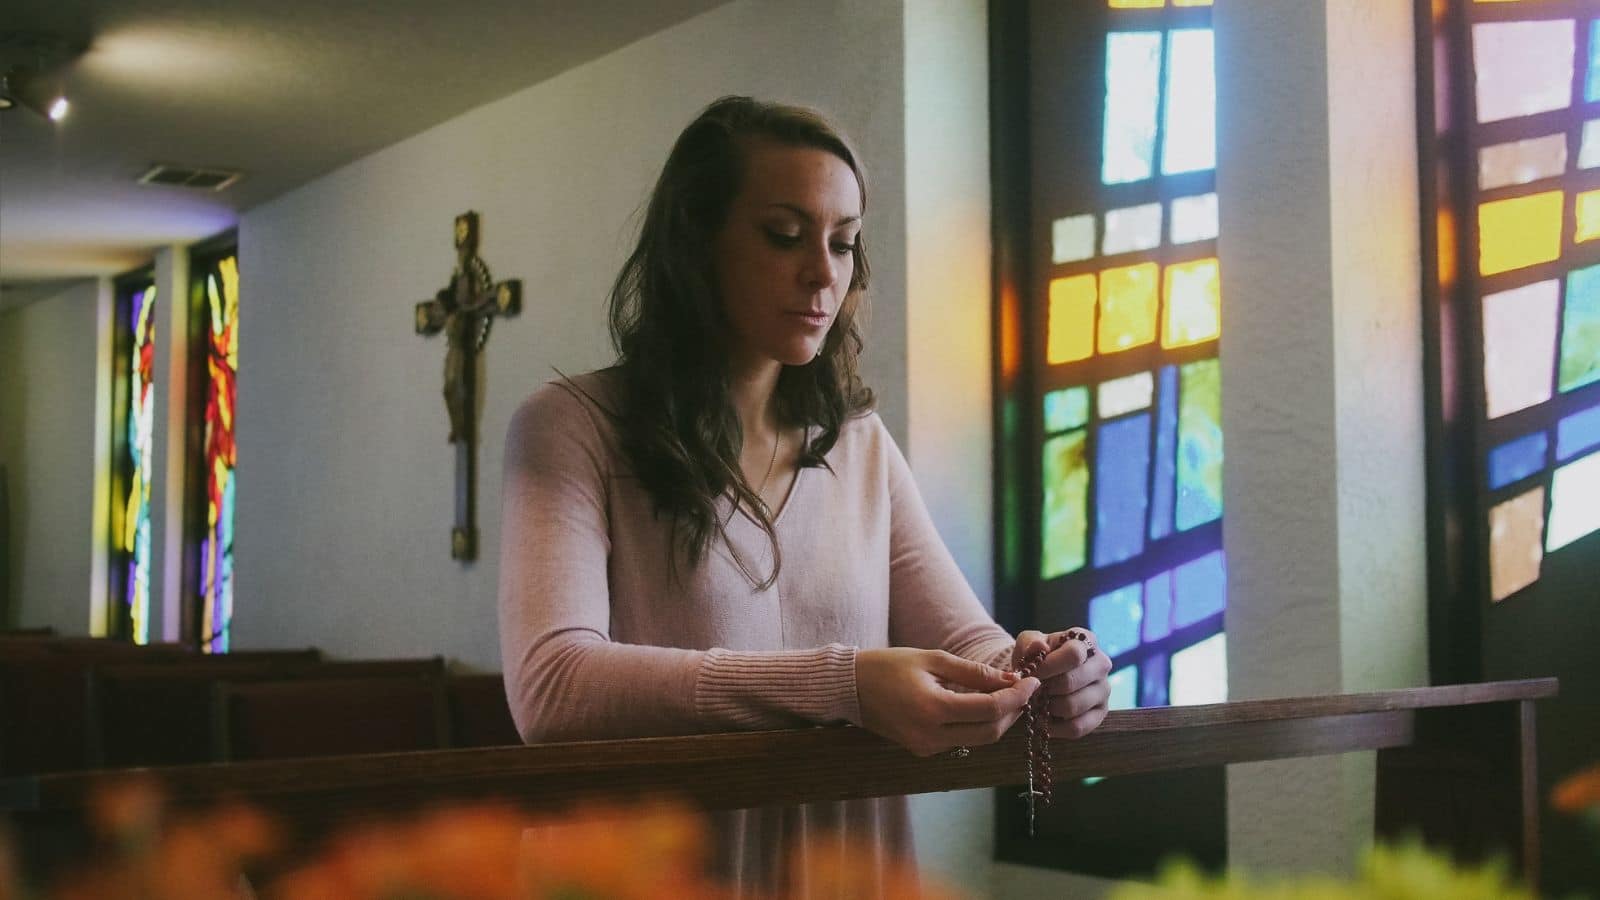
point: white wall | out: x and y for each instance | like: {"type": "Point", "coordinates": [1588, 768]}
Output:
{"type": "Point", "coordinates": [1322, 407]}
{"type": "Point", "coordinates": [346, 482]}
{"type": "Point", "coordinates": [48, 355]}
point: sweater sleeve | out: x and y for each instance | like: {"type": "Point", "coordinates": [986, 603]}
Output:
{"type": "Point", "coordinates": [566, 679]}
{"type": "Point", "coordinates": [930, 603]}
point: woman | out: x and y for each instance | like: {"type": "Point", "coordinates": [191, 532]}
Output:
{"type": "Point", "coordinates": [718, 533]}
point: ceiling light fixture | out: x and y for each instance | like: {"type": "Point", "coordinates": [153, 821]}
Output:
{"type": "Point", "coordinates": [29, 63]}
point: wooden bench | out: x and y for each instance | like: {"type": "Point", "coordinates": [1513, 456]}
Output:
{"type": "Point", "coordinates": [163, 713]}
{"type": "Point", "coordinates": [319, 716]}
{"type": "Point", "coordinates": [1456, 763]}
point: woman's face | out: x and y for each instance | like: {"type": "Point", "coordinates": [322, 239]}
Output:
{"type": "Point", "coordinates": [784, 257]}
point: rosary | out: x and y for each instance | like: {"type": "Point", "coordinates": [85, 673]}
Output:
{"type": "Point", "coordinates": [1036, 721]}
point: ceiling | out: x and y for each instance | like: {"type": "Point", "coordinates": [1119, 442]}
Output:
{"type": "Point", "coordinates": [282, 90]}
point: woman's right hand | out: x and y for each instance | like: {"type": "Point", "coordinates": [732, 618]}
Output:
{"type": "Point", "coordinates": [905, 696]}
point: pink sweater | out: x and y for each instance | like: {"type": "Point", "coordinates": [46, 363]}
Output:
{"type": "Point", "coordinates": [597, 641]}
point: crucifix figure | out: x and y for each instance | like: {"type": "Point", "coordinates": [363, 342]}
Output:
{"type": "Point", "coordinates": [464, 310]}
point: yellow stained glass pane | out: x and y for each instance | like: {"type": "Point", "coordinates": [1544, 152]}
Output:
{"type": "Point", "coordinates": [1071, 332]}
{"type": "Point", "coordinates": [1194, 303]}
{"type": "Point", "coordinates": [1522, 231]}
{"type": "Point", "coordinates": [1128, 303]}
{"type": "Point", "coordinates": [1137, 4]}
{"type": "Point", "coordinates": [1588, 217]}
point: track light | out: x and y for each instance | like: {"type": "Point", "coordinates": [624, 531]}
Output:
{"type": "Point", "coordinates": [22, 86]}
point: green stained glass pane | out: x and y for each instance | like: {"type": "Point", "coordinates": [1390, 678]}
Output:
{"type": "Point", "coordinates": [1066, 501]}
{"type": "Point", "coordinates": [1133, 86]}
{"type": "Point", "coordinates": [1199, 444]}
{"type": "Point", "coordinates": [1580, 330]}
{"type": "Point", "coordinates": [1066, 409]}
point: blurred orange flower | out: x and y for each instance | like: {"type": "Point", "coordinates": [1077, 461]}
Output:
{"type": "Point", "coordinates": [1578, 792]}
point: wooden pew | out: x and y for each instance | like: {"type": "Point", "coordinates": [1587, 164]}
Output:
{"type": "Point", "coordinates": [479, 716]}
{"type": "Point", "coordinates": [318, 716]}
{"type": "Point", "coordinates": [163, 714]}
{"type": "Point", "coordinates": [1474, 742]}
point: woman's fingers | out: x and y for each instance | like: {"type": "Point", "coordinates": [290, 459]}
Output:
{"type": "Point", "coordinates": [1004, 704]}
{"type": "Point", "coordinates": [1096, 668]}
{"type": "Point", "coordinates": [972, 734]}
{"type": "Point", "coordinates": [968, 673]}
{"type": "Point", "coordinates": [1071, 706]}
{"type": "Point", "coordinates": [1075, 728]}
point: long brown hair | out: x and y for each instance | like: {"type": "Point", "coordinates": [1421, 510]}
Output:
{"type": "Point", "coordinates": [677, 424]}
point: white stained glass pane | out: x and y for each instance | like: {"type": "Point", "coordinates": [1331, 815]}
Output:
{"type": "Point", "coordinates": [1574, 511]}
{"type": "Point", "coordinates": [1520, 162]}
{"type": "Point", "coordinates": [1123, 683]}
{"type": "Point", "coordinates": [1072, 239]}
{"type": "Point", "coordinates": [1589, 150]}
{"type": "Point", "coordinates": [1124, 395]}
{"type": "Point", "coordinates": [1190, 140]}
{"type": "Point", "coordinates": [1200, 673]}
{"type": "Point", "coordinates": [1519, 346]}
{"type": "Point", "coordinates": [1523, 67]}
{"type": "Point", "coordinates": [1194, 219]}
{"type": "Point", "coordinates": [1134, 228]}
{"type": "Point", "coordinates": [1133, 86]}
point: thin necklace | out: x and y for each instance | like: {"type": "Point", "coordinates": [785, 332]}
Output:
{"type": "Point", "coordinates": [776, 436]}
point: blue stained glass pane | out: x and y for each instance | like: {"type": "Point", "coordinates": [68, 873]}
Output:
{"type": "Point", "coordinates": [1201, 589]}
{"type": "Point", "coordinates": [1166, 455]}
{"type": "Point", "coordinates": [1153, 684]}
{"type": "Point", "coordinates": [1066, 409]}
{"type": "Point", "coordinates": [1133, 86]}
{"type": "Point", "coordinates": [1200, 673]}
{"type": "Point", "coordinates": [1158, 607]}
{"type": "Point", "coordinates": [1515, 460]}
{"type": "Point", "coordinates": [1122, 473]}
{"type": "Point", "coordinates": [1190, 141]}
{"type": "Point", "coordinates": [1591, 84]}
{"type": "Point", "coordinates": [1124, 684]}
{"type": "Point", "coordinates": [1577, 433]}
{"type": "Point", "coordinates": [1114, 618]}
{"type": "Point", "coordinates": [1200, 444]}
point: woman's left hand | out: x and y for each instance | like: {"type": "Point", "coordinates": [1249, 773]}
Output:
{"type": "Point", "coordinates": [1074, 676]}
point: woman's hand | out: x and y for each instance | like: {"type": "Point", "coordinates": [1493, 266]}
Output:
{"type": "Point", "coordinates": [1074, 675]}
{"type": "Point", "coordinates": [906, 696]}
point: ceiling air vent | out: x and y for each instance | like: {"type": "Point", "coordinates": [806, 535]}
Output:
{"type": "Point", "coordinates": [183, 176]}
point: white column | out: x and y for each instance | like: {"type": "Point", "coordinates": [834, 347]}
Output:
{"type": "Point", "coordinates": [167, 450]}
{"type": "Point", "coordinates": [1322, 401]}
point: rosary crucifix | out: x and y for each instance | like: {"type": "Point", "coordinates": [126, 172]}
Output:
{"type": "Point", "coordinates": [464, 310]}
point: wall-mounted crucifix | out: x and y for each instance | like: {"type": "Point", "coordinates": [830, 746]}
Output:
{"type": "Point", "coordinates": [465, 310]}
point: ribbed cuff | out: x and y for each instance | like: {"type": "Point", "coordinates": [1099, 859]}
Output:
{"type": "Point", "coordinates": [773, 688]}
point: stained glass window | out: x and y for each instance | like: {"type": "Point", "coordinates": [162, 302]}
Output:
{"type": "Point", "coordinates": [1131, 456]}
{"type": "Point", "coordinates": [221, 347]}
{"type": "Point", "coordinates": [1110, 306]}
{"type": "Point", "coordinates": [135, 387]}
{"type": "Point", "coordinates": [1533, 297]}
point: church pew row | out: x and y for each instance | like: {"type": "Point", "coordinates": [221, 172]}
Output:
{"type": "Point", "coordinates": [73, 711]}
{"type": "Point", "coordinates": [1455, 764]}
